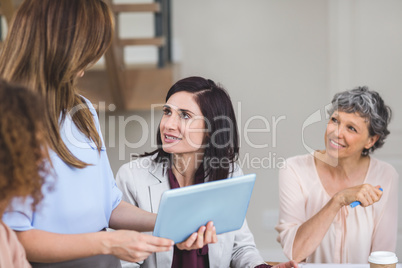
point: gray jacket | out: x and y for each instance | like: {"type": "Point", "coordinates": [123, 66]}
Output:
{"type": "Point", "coordinates": [143, 182]}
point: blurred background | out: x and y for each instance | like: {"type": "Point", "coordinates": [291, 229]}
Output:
{"type": "Point", "coordinates": [280, 60]}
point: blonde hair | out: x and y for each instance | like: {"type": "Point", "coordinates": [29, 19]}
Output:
{"type": "Point", "coordinates": [49, 42]}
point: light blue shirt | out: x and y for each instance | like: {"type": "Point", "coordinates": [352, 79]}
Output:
{"type": "Point", "coordinates": [75, 200]}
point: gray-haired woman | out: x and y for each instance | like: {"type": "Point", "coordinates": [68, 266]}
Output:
{"type": "Point", "coordinates": [316, 223]}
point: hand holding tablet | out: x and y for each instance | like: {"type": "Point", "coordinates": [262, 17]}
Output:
{"type": "Point", "coordinates": [205, 235]}
{"type": "Point", "coordinates": [225, 202]}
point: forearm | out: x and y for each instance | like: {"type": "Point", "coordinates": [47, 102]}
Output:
{"type": "Point", "coordinates": [130, 217]}
{"type": "Point", "coordinates": [310, 234]}
{"type": "Point", "coordinates": [42, 246]}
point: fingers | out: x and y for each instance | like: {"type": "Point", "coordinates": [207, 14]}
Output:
{"type": "Point", "coordinates": [377, 194]}
{"type": "Point", "coordinates": [157, 244]}
{"type": "Point", "coordinates": [188, 244]}
{"type": "Point", "coordinates": [294, 264]}
{"type": "Point", "coordinates": [200, 238]}
{"type": "Point", "coordinates": [368, 195]}
{"type": "Point", "coordinates": [133, 246]}
{"type": "Point", "coordinates": [378, 190]}
{"type": "Point", "coordinates": [148, 244]}
{"type": "Point", "coordinates": [152, 248]}
{"type": "Point", "coordinates": [159, 241]}
{"type": "Point", "coordinates": [210, 234]}
{"type": "Point", "coordinates": [369, 198]}
{"type": "Point", "coordinates": [205, 235]}
{"type": "Point", "coordinates": [214, 236]}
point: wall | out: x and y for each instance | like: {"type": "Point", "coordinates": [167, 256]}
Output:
{"type": "Point", "coordinates": [272, 56]}
{"type": "Point", "coordinates": [281, 61]}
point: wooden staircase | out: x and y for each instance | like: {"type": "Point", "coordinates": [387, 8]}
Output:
{"type": "Point", "coordinates": [117, 85]}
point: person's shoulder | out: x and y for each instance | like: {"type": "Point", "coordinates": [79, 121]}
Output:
{"type": "Point", "coordinates": [91, 108]}
{"type": "Point", "coordinates": [136, 172]}
{"type": "Point", "coordinates": [88, 103]}
{"type": "Point", "coordinates": [139, 164]}
{"type": "Point", "coordinates": [299, 160]}
{"type": "Point", "coordinates": [298, 168]}
{"type": "Point", "coordinates": [384, 168]}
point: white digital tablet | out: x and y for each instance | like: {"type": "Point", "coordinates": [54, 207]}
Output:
{"type": "Point", "coordinates": [182, 211]}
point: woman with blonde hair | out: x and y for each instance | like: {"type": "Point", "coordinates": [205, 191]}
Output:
{"type": "Point", "coordinates": [49, 45]}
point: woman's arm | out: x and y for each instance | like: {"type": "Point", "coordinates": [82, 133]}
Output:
{"type": "Point", "coordinates": [310, 234]}
{"type": "Point", "coordinates": [42, 246]}
{"type": "Point", "coordinates": [300, 235]}
{"type": "Point", "coordinates": [130, 217]}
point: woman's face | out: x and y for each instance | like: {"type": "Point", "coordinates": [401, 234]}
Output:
{"type": "Point", "coordinates": [182, 126]}
{"type": "Point", "coordinates": [347, 135]}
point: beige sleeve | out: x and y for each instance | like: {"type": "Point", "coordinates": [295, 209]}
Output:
{"type": "Point", "coordinates": [386, 222]}
{"type": "Point", "coordinates": [291, 208]}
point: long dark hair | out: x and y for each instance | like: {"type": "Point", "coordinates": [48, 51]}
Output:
{"type": "Point", "coordinates": [222, 141]}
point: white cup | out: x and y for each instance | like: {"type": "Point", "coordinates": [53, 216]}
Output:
{"type": "Point", "coordinates": [382, 259]}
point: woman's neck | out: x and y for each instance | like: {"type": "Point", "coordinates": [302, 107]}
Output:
{"type": "Point", "coordinates": [346, 168]}
{"type": "Point", "coordinates": [184, 167]}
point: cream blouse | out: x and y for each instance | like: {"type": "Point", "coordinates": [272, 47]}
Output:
{"type": "Point", "coordinates": [355, 232]}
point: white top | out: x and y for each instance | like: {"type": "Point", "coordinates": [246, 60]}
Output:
{"type": "Point", "coordinates": [355, 232]}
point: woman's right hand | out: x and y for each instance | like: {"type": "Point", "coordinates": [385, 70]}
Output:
{"type": "Point", "coordinates": [366, 194]}
{"type": "Point", "coordinates": [133, 246]}
{"type": "Point", "coordinates": [205, 235]}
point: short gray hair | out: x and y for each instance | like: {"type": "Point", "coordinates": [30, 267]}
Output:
{"type": "Point", "coordinates": [370, 106]}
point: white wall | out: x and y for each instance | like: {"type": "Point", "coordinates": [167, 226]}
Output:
{"type": "Point", "coordinates": [280, 60]}
{"type": "Point", "coordinates": [373, 44]}
{"type": "Point", "coordinates": [272, 56]}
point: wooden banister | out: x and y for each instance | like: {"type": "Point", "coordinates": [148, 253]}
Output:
{"type": "Point", "coordinates": [154, 41]}
{"type": "Point", "coordinates": [132, 88]}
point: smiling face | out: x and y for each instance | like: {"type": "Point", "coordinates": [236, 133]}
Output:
{"type": "Point", "coordinates": [182, 126]}
{"type": "Point", "coordinates": [347, 135]}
